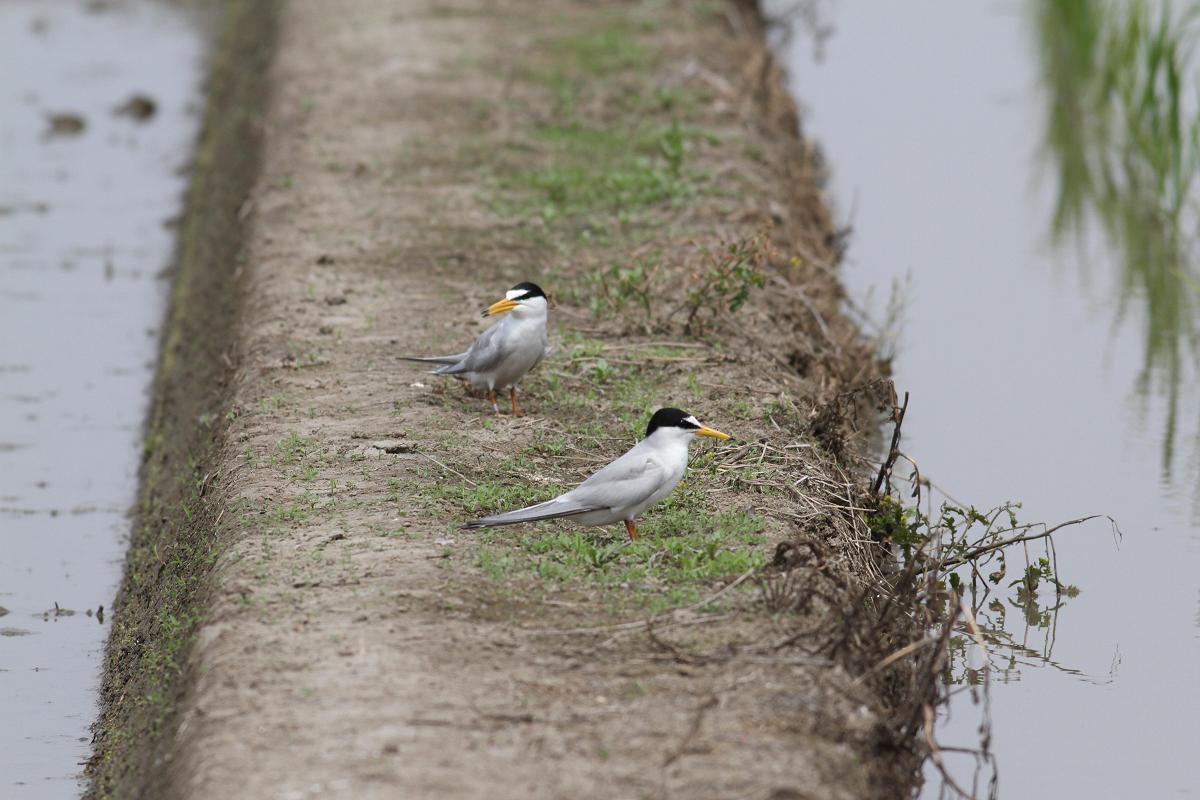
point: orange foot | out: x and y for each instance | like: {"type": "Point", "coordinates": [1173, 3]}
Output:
{"type": "Point", "coordinates": [492, 400]}
{"type": "Point", "coordinates": [512, 395]}
{"type": "Point", "coordinates": [633, 534]}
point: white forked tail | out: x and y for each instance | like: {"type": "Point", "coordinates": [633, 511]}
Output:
{"type": "Point", "coordinates": [551, 509]}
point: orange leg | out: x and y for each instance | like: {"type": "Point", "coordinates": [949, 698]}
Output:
{"type": "Point", "coordinates": [633, 534]}
{"type": "Point", "coordinates": [512, 395]}
{"type": "Point", "coordinates": [492, 400]}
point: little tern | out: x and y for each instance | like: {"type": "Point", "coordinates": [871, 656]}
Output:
{"type": "Point", "coordinates": [505, 352]}
{"type": "Point", "coordinates": [621, 491]}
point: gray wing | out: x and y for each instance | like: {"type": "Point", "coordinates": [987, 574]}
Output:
{"type": "Point", "coordinates": [485, 354]}
{"type": "Point", "coordinates": [627, 481]}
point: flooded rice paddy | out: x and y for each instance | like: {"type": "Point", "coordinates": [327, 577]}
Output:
{"type": "Point", "coordinates": [99, 107]}
{"type": "Point", "coordinates": [1023, 173]}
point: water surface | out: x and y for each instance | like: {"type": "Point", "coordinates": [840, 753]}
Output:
{"type": "Point", "coordinates": [1035, 355]}
{"type": "Point", "coordinates": [85, 193]}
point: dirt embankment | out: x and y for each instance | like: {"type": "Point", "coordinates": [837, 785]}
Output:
{"type": "Point", "coordinates": [301, 616]}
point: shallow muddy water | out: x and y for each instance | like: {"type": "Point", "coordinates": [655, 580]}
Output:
{"type": "Point", "coordinates": [1045, 368]}
{"type": "Point", "coordinates": [86, 196]}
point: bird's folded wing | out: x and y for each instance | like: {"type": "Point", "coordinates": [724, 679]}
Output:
{"type": "Point", "coordinates": [485, 354]}
{"type": "Point", "coordinates": [629, 480]}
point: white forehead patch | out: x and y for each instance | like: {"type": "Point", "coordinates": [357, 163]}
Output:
{"type": "Point", "coordinates": [513, 294]}
{"type": "Point", "coordinates": [694, 421]}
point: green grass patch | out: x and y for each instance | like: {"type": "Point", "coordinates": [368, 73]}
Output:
{"type": "Point", "coordinates": [679, 556]}
{"type": "Point", "coordinates": [489, 497]}
{"type": "Point", "coordinates": [592, 171]}
{"type": "Point", "coordinates": [684, 549]}
{"type": "Point", "coordinates": [602, 51]}
{"type": "Point", "coordinates": [613, 141]}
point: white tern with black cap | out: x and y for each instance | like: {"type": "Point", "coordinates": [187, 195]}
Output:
{"type": "Point", "coordinates": [505, 352]}
{"type": "Point", "coordinates": [622, 490]}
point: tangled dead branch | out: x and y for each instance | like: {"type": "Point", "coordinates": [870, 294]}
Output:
{"type": "Point", "coordinates": [922, 565]}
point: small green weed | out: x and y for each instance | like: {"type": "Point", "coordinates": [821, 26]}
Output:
{"type": "Point", "coordinates": [727, 276]}
{"type": "Point", "coordinates": [622, 285]}
{"type": "Point", "coordinates": [293, 448]}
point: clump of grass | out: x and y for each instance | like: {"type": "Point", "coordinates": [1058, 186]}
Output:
{"type": "Point", "coordinates": [714, 281]}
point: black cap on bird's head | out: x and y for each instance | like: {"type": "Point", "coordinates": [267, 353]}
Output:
{"type": "Point", "coordinates": [676, 418]}
{"type": "Point", "coordinates": [522, 292]}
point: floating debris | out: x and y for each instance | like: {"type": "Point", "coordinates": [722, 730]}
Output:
{"type": "Point", "coordinates": [56, 612]}
{"type": "Point", "coordinates": [16, 632]}
{"type": "Point", "coordinates": [35, 208]}
{"type": "Point", "coordinates": [65, 124]}
{"type": "Point", "coordinates": [139, 107]}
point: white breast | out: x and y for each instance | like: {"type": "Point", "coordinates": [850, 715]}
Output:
{"type": "Point", "coordinates": [524, 344]}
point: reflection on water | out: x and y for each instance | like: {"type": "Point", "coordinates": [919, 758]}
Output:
{"type": "Point", "coordinates": [1122, 136]}
{"type": "Point", "coordinates": [985, 150]}
{"type": "Point", "coordinates": [1014, 594]}
{"type": "Point", "coordinates": [1020, 632]}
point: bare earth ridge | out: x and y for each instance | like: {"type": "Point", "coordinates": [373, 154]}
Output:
{"type": "Point", "coordinates": [355, 646]}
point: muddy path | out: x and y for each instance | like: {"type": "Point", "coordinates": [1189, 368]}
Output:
{"type": "Point", "coordinates": [301, 615]}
